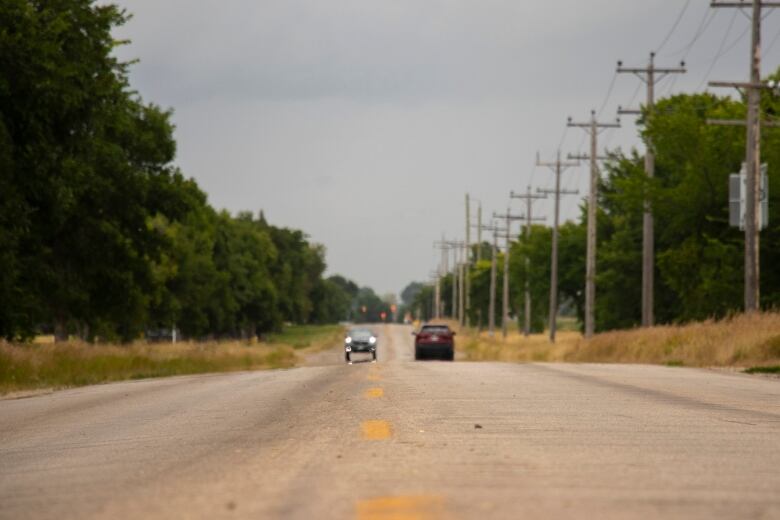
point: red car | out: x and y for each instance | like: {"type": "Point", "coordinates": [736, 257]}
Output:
{"type": "Point", "coordinates": [434, 340]}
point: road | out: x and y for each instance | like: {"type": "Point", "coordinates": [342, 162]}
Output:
{"type": "Point", "coordinates": [399, 439]}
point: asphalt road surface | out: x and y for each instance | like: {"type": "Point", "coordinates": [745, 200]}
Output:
{"type": "Point", "coordinates": [397, 440]}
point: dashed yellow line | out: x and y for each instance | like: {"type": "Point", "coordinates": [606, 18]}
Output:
{"type": "Point", "coordinates": [376, 430]}
{"type": "Point", "coordinates": [374, 393]}
{"type": "Point", "coordinates": [420, 507]}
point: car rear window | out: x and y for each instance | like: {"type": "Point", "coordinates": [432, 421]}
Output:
{"type": "Point", "coordinates": [435, 329]}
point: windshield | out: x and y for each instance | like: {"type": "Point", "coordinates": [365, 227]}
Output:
{"type": "Point", "coordinates": [435, 329]}
{"type": "Point", "coordinates": [360, 333]}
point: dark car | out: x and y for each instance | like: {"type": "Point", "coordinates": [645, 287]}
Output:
{"type": "Point", "coordinates": [359, 340]}
{"type": "Point", "coordinates": [434, 341]}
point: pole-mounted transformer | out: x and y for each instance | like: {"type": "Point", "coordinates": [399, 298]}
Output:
{"type": "Point", "coordinates": [738, 195]}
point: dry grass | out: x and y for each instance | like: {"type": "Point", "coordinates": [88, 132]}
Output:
{"type": "Point", "coordinates": [537, 347]}
{"type": "Point", "coordinates": [24, 367]}
{"type": "Point", "coordinates": [739, 341]}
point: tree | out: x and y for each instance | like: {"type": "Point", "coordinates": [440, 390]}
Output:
{"type": "Point", "coordinates": [99, 234]}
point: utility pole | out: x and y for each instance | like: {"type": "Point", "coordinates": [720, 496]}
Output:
{"type": "Point", "coordinates": [480, 227]}
{"type": "Point", "coordinates": [529, 199]}
{"type": "Point", "coordinates": [557, 167]}
{"type": "Point", "coordinates": [462, 276]}
{"type": "Point", "coordinates": [479, 232]}
{"type": "Point", "coordinates": [492, 304]}
{"type": "Point", "coordinates": [444, 246]}
{"type": "Point", "coordinates": [508, 218]}
{"type": "Point", "coordinates": [435, 276]}
{"type": "Point", "coordinates": [455, 260]}
{"type": "Point", "coordinates": [456, 247]}
{"type": "Point", "coordinates": [466, 305]}
{"type": "Point", "coordinates": [594, 128]}
{"type": "Point", "coordinates": [650, 75]}
{"type": "Point", "coordinates": [753, 152]}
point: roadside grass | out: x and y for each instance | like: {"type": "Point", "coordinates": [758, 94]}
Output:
{"type": "Point", "coordinates": [568, 324]}
{"type": "Point", "coordinates": [536, 348]}
{"type": "Point", "coordinates": [764, 370]}
{"type": "Point", "coordinates": [308, 336]}
{"type": "Point", "coordinates": [739, 341]}
{"type": "Point", "coordinates": [36, 366]}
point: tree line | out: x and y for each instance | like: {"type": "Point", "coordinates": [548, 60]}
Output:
{"type": "Point", "coordinates": [100, 234]}
{"type": "Point", "coordinates": [699, 257]}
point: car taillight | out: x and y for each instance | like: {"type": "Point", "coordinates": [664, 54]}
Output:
{"type": "Point", "coordinates": [423, 336]}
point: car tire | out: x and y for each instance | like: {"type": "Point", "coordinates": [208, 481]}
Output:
{"type": "Point", "coordinates": [417, 356]}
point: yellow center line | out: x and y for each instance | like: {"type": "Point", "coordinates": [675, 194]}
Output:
{"type": "Point", "coordinates": [419, 507]}
{"type": "Point", "coordinates": [375, 430]}
{"type": "Point", "coordinates": [374, 393]}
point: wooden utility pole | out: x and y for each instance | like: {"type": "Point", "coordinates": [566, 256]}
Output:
{"type": "Point", "coordinates": [753, 152]}
{"type": "Point", "coordinates": [434, 279]}
{"type": "Point", "coordinates": [462, 274]}
{"type": "Point", "coordinates": [443, 246]}
{"type": "Point", "coordinates": [466, 306]}
{"type": "Point", "coordinates": [508, 219]}
{"type": "Point", "coordinates": [454, 246]}
{"type": "Point", "coordinates": [455, 261]}
{"type": "Point", "coordinates": [529, 199]}
{"type": "Point", "coordinates": [650, 75]}
{"type": "Point", "coordinates": [594, 128]}
{"type": "Point", "coordinates": [492, 304]}
{"type": "Point", "coordinates": [479, 232]}
{"type": "Point", "coordinates": [557, 167]}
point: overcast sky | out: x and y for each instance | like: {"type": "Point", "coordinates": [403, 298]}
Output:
{"type": "Point", "coordinates": [364, 122]}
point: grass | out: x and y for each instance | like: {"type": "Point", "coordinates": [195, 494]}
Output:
{"type": "Point", "coordinates": [308, 336]}
{"type": "Point", "coordinates": [35, 366]}
{"type": "Point", "coordinates": [775, 369]}
{"type": "Point", "coordinates": [739, 341]}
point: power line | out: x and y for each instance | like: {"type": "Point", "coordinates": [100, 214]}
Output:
{"type": "Point", "coordinates": [674, 27]}
{"type": "Point", "coordinates": [718, 53]}
{"type": "Point", "coordinates": [609, 93]}
{"type": "Point", "coordinates": [533, 174]}
{"type": "Point", "coordinates": [635, 95]}
{"type": "Point", "coordinates": [709, 15]}
{"type": "Point", "coordinates": [563, 137]}
{"type": "Point", "coordinates": [722, 52]}
{"type": "Point", "coordinates": [772, 43]}
{"type": "Point", "coordinates": [669, 86]}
